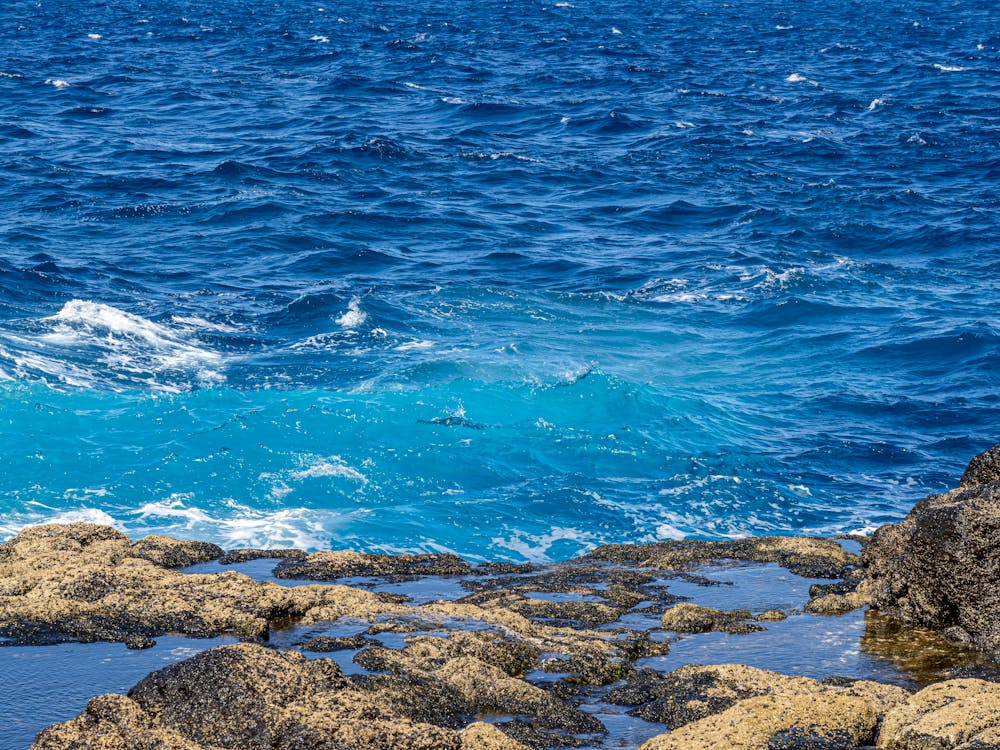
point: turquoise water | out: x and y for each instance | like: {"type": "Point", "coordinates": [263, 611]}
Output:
{"type": "Point", "coordinates": [509, 281]}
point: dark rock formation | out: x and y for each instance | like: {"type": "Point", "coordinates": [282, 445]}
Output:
{"type": "Point", "coordinates": [940, 566]}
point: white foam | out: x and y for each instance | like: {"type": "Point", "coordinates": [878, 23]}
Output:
{"type": "Point", "coordinates": [876, 103]}
{"type": "Point", "coordinates": [615, 30]}
{"type": "Point", "coordinates": [779, 27]}
{"type": "Point", "coordinates": [949, 68]}
{"type": "Point", "coordinates": [331, 466]}
{"type": "Point", "coordinates": [59, 83]}
{"type": "Point", "coordinates": [799, 78]}
{"type": "Point", "coordinates": [452, 100]}
{"type": "Point", "coordinates": [354, 316]}
{"type": "Point", "coordinates": [415, 344]}
{"type": "Point", "coordinates": [320, 39]}
{"type": "Point", "coordinates": [119, 344]}
{"type": "Point", "coordinates": [415, 86]}
{"type": "Point", "coordinates": [93, 36]}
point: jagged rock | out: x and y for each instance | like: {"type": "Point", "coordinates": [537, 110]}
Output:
{"type": "Point", "coordinates": [959, 714]}
{"type": "Point", "coordinates": [982, 469]}
{"type": "Point", "coordinates": [175, 553]}
{"type": "Point", "coordinates": [692, 618]}
{"type": "Point", "coordinates": [775, 722]}
{"type": "Point", "coordinates": [939, 566]}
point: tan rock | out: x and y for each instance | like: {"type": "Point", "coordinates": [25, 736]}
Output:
{"type": "Point", "coordinates": [945, 716]}
{"type": "Point", "coordinates": [482, 736]}
{"type": "Point", "coordinates": [763, 722]}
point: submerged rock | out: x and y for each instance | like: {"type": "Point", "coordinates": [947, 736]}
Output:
{"type": "Point", "coordinates": [939, 567]}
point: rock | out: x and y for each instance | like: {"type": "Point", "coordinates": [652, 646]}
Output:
{"type": "Point", "coordinates": [234, 556]}
{"type": "Point", "coordinates": [695, 692]}
{"type": "Point", "coordinates": [234, 692]}
{"type": "Point", "coordinates": [325, 643]}
{"type": "Point", "coordinates": [939, 566]}
{"type": "Point", "coordinates": [112, 722]}
{"type": "Point", "coordinates": [775, 722]}
{"type": "Point", "coordinates": [805, 556]}
{"type": "Point", "coordinates": [89, 582]}
{"type": "Point", "coordinates": [692, 618]}
{"type": "Point", "coordinates": [482, 736]}
{"type": "Point", "coordinates": [175, 553]}
{"type": "Point", "coordinates": [329, 566]}
{"type": "Point", "coordinates": [982, 469]}
{"type": "Point", "coordinates": [838, 604]}
{"type": "Point", "coordinates": [959, 714]}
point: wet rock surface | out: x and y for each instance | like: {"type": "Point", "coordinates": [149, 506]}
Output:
{"type": "Point", "coordinates": [940, 566]}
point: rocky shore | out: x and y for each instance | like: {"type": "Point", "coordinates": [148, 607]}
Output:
{"type": "Point", "coordinates": [342, 650]}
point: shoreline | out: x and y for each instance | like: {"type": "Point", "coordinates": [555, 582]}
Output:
{"type": "Point", "coordinates": [432, 651]}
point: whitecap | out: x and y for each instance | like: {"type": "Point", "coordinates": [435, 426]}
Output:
{"type": "Point", "coordinates": [615, 30]}
{"type": "Point", "coordinates": [93, 36]}
{"type": "Point", "coordinates": [452, 100]}
{"type": "Point", "coordinates": [415, 344]}
{"type": "Point", "coordinates": [319, 38]}
{"type": "Point", "coordinates": [354, 316]}
{"type": "Point", "coordinates": [59, 83]}
{"type": "Point", "coordinates": [90, 344]}
{"type": "Point", "coordinates": [331, 466]}
{"type": "Point", "coordinates": [876, 103]}
{"type": "Point", "coordinates": [799, 78]}
{"type": "Point", "coordinates": [779, 27]}
{"type": "Point", "coordinates": [949, 68]}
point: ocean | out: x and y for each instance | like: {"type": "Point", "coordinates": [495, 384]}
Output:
{"type": "Point", "coordinates": [505, 279]}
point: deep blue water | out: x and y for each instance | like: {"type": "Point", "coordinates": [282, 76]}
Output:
{"type": "Point", "coordinates": [506, 279]}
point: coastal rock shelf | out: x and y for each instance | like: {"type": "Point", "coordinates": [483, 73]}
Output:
{"type": "Point", "coordinates": [430, 651]}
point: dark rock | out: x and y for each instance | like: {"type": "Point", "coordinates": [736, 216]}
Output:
{"type": "Point", "coordinates": [235, 556]}
{"type": "Point", "coordinates": [939, 567]}
{"type": "Point", "coordinates": [175, 553]}
{"type": "Point", "coordinates": [330, 566]}
{"type": "Point", "coordinates": [982, 469]}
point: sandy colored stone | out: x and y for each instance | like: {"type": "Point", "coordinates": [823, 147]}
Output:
{"type": "Point", "coordinates": [768, 721]}
{"type": "Point", "coordinates": [693, 618]}
{"type": "Point", "coordinates": [482, 736]}
{"type": "Point", "coordinates": [112, 722]}
{"type": "Point", "coordinates": [694, 692]}
{"type": "Point", "coordinates": [86, 581]}
{"type": "Point", "coordinates": [838, 604]}
{"type": "Point", "coordinates": [946, 716]}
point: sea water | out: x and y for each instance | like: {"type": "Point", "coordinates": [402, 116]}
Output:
{"type": "Point", "coordinates": [507, 279]}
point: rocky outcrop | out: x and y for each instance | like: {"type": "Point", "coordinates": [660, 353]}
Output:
{"type": "Point", "coordinates": [778, 721]}
{"type": "Point", "coordinates": [330, 566]}
{"type": "Point", "coordinates": [806, 556]}
{"type": "Point", "coordinates": [247, 697]}
{"type": "Point", "coordinates": [952, 715]}
{"type": "Point", "coordinates": [694, 692]}
{"type": "Point", "coordinates": [88, 582]}
{"type": "Point", "coordinates": [939, 567]}
{"type": "Point", "coordinates": [692, 618]}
